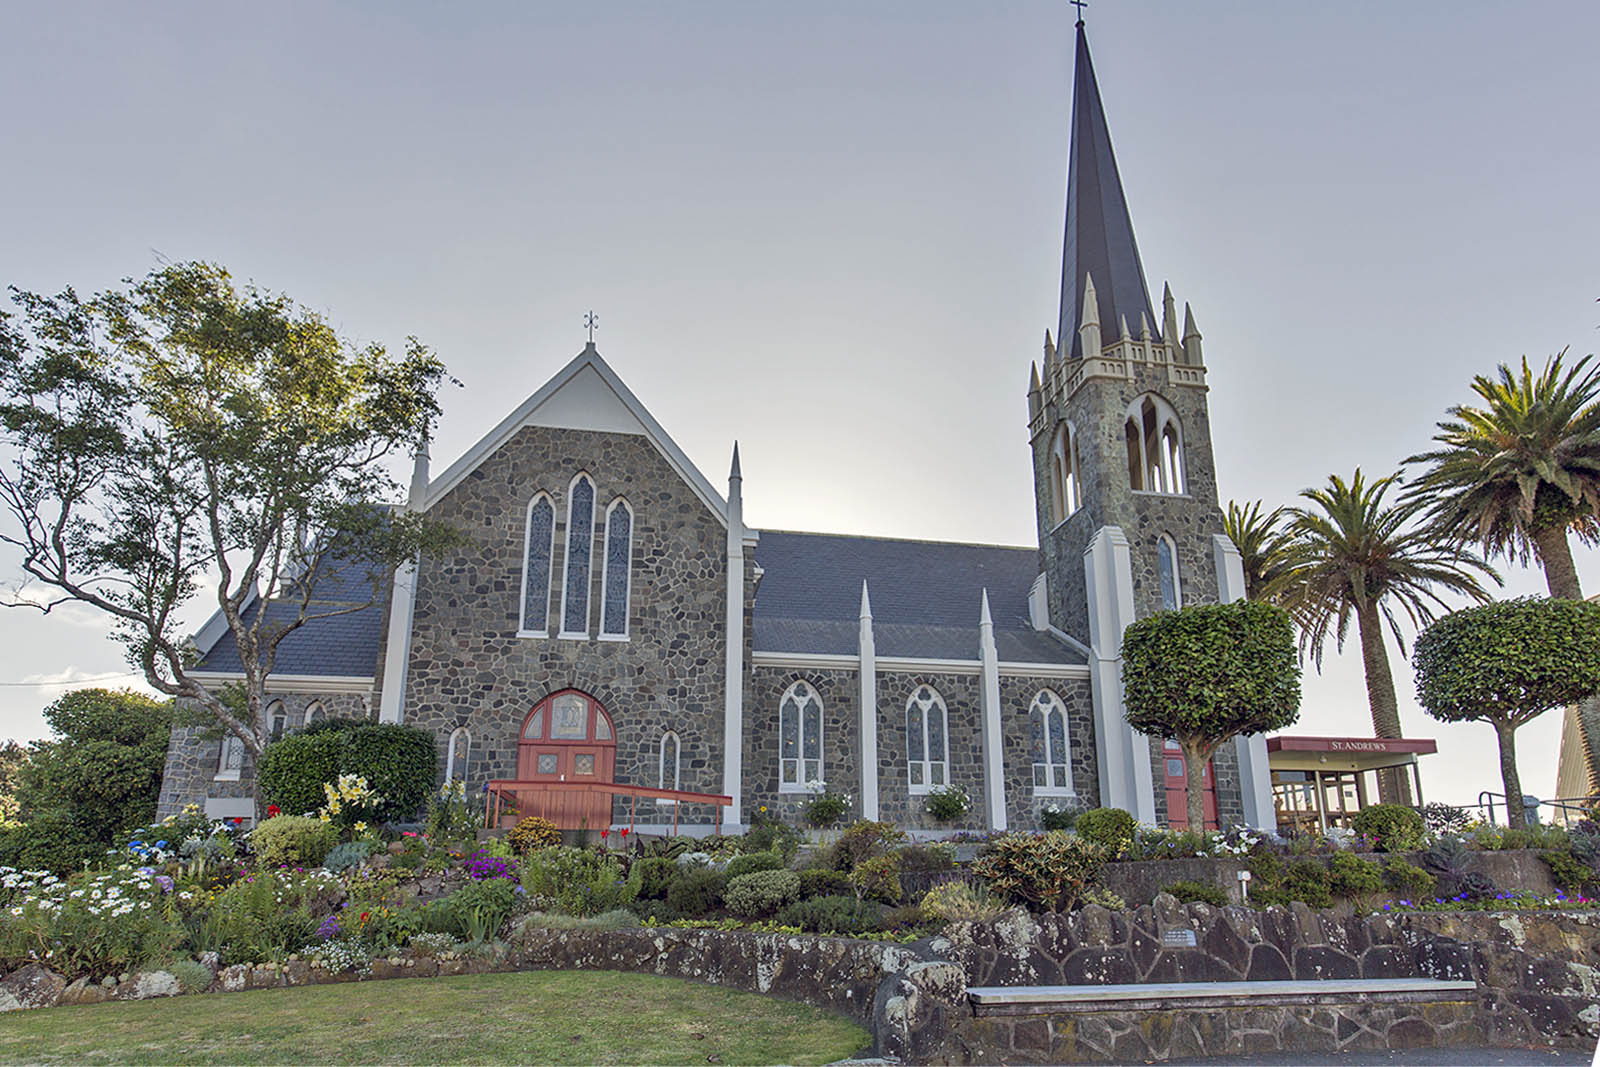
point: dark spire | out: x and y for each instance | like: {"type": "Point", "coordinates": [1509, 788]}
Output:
{"type": "Point", "coordinates": [1099, 239]}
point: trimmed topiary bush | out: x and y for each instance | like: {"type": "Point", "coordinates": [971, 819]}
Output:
{"type": "Point", "coordinates": [1110, 828]}
{"type": "Point", "coordinates": [751, 862]}
{"type": "Point", "coordinates": [761, 892]}
{"type": "Point", "coordinates": [292, 841]}
{"type": "Point", "coordinates": [816, 882]}
{"type": "Point", "coordinates": [1198, 892]}
{"type": "Point", "coordinates": [698, 891]}
{"type": "Point", "coordinates": [399, 763]}
{"type": "Point", "coordinates": [1392, 827]}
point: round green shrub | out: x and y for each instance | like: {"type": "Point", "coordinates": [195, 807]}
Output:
{"type": "Point", "coordinates": [655, 875]}
{"type": "Point", "coordinates": [1110, 828]}
{"type": "Point", "coordinates": [1392, 827]}
{"type": "Point", "coordinates": [399, 762]}
{"type": "Point", "coordinates": [1198, 892]}
{"type": "Point", "coordinates": [816, 882]}
{"type": "Point", "coordinates": [1350, 875]}
{"type": "Point", "coordinates": [292, 841]}
{"type": "Point", "coordinates": [751, 862]}
{"type": "Point", "coordinates": [1407, 879]}
{"type": "Point", "coordinates": [697, 891]}
{"type": "Point", "coordinates": [761, 892]}
{"type": "Point", "coordinates": [773, 837]}
{"type": "Point", "coordinates": [532, 832]}
{"type": "Point", "coordinates": [51, 841]}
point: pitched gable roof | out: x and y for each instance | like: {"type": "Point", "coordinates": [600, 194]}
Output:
{"type": "Point", "coordinates": [585, 395]}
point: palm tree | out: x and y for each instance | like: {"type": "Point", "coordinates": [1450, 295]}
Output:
{"type": "Point", "coordinates": [1359, 559]}
{"type": "Point", "coordinates": [1267, 549]}
{"type": "Point", "coordinates": [1518, 474]}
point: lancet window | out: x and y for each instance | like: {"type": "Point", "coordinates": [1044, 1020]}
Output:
{"type": "Point", "coordinates": [1155, 447]}
{"type": "Point", "coordinates": [799, 739]}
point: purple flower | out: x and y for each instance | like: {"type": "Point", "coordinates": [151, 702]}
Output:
{"type": "Point", "coordinates": [329, 929]}
{"type": "Point", "coordinates": [164, 882]}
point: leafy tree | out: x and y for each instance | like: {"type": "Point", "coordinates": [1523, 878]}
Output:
{"type": "Point", "coordinates": [1202, 675]}
{"type": "Point", "coordinates": [181, 436]}
{"type": "Point", "coordinates": [1267, 548]}
{"type": "Point", "coordinates": [1363, 560]}
{"type": "Point", "coordinates": [1508, 663]}
{"type": "Point", "coordinates": [1519, 474]}
{"type": "Point", "coordinates": [102, 772]}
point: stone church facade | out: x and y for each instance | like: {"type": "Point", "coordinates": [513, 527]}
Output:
{"type": "Point", "coordinates": [610, 617]}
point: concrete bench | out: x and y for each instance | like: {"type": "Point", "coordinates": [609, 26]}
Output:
{"type": "Point", "coordinates": [1150, 1023]}
{"type": "Point", "coordinates": [1061, 999]}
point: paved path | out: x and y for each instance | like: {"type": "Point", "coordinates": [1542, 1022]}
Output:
{"type": "Point", "coordinates": [1417, 1057]}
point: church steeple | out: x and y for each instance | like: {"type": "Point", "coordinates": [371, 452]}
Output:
{"type": "Point", "coordinates": [1099, 237]}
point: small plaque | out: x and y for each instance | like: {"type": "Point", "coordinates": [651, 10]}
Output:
{"type": "Point", "coordinates": [1177, 938]}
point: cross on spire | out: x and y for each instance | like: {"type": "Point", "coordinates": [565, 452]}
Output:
{"type": "Point", "coordinates": [591, 322]}
{"type": "Point", "coordinates": [1080, 5]}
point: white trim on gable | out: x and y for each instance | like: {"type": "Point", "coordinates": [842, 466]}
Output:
{"type": "Point", "coordinates": [585, 395]}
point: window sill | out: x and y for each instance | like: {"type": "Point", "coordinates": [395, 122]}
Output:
{"type": "Point", "coordinates": [1152, 492]}
{"type": "Point", "coordinates": [227, 776]}
{"type": "Point", "coordinates": [614, 637]}
{"type": "Point", "coordinates": [1054, 791]}
{"type": "Point", "coordinates": [542, 635]}
{"type": "Point", "coordinates": [784, 787]}
{"type": "Point", "coordinates": [564, 636]}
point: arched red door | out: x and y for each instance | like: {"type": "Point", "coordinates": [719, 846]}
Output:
{"type": "Point", "coordinates": [568, 737]}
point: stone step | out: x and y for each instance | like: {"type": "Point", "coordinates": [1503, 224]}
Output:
{"type": "Point", "coordinates": [1063, 999]}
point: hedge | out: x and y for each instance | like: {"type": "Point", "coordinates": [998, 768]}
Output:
{"type": "Point", "coordinates": [399, 763]}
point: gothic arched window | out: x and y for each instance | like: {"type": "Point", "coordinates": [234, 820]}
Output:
{"type": "Point", "coordinates": [277, 719]}
{"type": "Point", "coordinates": [538, 555]}
{"type": "Point", "coordinates": [1155, 447]}
{"type": "Point", "coordinates": [1167, 574]}
{"type": "Point", "coordinates": [618, 567]}
{"type": "Point", "coordinates": [667, 764]}
{"type": "Point", "coordinates": [927, 740]}
{"type": "Point", "coordinates": [799, 739]}
{"type": "Point", "coordinates": [1066, 480]}
{"type": "Point", "coordinates": [315, 713]}
{"type": "Point", "coordinates": [1047, 744]}
{"type": "Point", "coordinates": [230, 760]}
{"type": "Point", "coordinates": [457, 755]}
{"type": "Point", "coordinates": [580, 547]}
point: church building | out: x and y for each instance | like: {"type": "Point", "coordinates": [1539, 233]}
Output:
{"type": "Point", "coordinates": [610, 618]}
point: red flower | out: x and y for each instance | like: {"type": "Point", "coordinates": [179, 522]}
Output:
{"type": "Point", "coordinates": [273, 811]}
{"type": "Point", "coordinates": [238, 822]}
{"type": "Point", "coordinates": [625, 831]}
{"type": "Point", "coordinates": [603, 834]}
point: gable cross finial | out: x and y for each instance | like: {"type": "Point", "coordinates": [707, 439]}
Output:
{"type": "Point", "coordinates": [591, 322]}
{"type": "Point", "coordinates": [1080, 5]}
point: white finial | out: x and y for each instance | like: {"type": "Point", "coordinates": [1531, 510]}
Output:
{"type": "Point", "coordinates": [734, 472]}
{"type": "Point", "coordinates": [1126, 336]}
{"type": "Point", "coordinates": [983, 614]}
{"type": "Point", "coordinates": [1091, 306]}
{"type": "Point", "coordinates": [866, 601]}
{"type": "Point", "coordinates": [419, 476]}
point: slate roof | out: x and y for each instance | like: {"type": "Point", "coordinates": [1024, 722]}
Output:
{"type": "Point", "coordinates": [338, 646]}
{"type": "Point", "coordinates": [925, 597]}
{"type": "Point", "coordinates": [1099, 238]}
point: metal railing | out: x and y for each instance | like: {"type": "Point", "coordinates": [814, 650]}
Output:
{"type": "Point", "coordinates": [561, 799]}
{"type": "Point", "coordinates": [1571, 808]}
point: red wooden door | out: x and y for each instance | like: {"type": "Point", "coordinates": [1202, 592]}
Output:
{"type": "Point", "coordinates": [568, 737]}
{"type": "Point", "coordinates": [1178, 789]}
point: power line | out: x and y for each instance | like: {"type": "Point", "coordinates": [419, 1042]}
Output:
{"type": "Point", "coordinates": [75, 681]}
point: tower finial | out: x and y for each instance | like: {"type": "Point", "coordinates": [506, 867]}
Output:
{"type": "Point", "coordinates": [1080, 5]}
{"type": "Point", "coordinates": [591, 322]}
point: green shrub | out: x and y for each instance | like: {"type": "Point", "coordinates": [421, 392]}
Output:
{"type": "Point", "coordinates": [1048, 871]}
{"type": "Point", "coordinates": [578, 881]}
{"type": "Point", "coordinates": [949, 802]}
{"type": "Point", "coordinates": [1566, 871]}
{"type": "Point", "coordinates": [844, 916]}
{"type": "Point", "coordinates": [350, 854]}
{"type": "Point", "coordinates": [1109, 828]}
{"type": "Point", "coordinates": [654, 874]}
{"type": "Point", "coordinates": [1442, 819]}
{"type": "Point", "coordinates": [958, 902]}
{"type": "Point", "coordinates": [1105, 898]}
{"type": "Point", "coordinates": [192, 977]}
{"type": "Point", "coordinates": [399, 763]}
{"type": "Point", "coordinates": [930, 857]}
{"type": "Point", "coordinates": [263, 918]}
{"type": "Point", "coordinates": [773, 837]}
{"type": "Point", "coordinates": [861, 839]}
{"type": "Point", "coordinates": [1350, 875]}
{"type": "Point", "coordinates": [825, 809]}
{"type": "Point", "coordinates": [1304, 880]}
{"type": "Point", "coordinates": [818, 882]}
{"type": "Point", "coordinates": [1201, 892]}
{"type": "Point", "coordinates": [878, 878]}
{"type": "Point", "coordinates": [475, 912]}
{"type": "Point", "coordinates": [619, 919]}
{"type": "Point", "coordinates": [761, 892]}
{"type": "Point", "coordinates": [532, 832]}
{"type": "Point", "coordinates": [1392, 827]}
{"type": "Point", "coordinates": [1407, 879]}
{"type": "Point", "coordinates": [1054, 818]}
{"type": "Point", "coordinates": [292, 841]}
{"type": "Point", "coordinates": [697, 891]}
{"type": "Point", "coordinates": [751, 862]}
{"type": "Point", "coordinates": [50, 842]}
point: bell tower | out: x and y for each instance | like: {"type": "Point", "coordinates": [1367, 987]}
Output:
{"type": "Point", "coordinates": [1125, 483]}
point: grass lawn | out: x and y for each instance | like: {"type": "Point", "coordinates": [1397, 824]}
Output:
{"type": "Point", "coordinates": [532, 1017]}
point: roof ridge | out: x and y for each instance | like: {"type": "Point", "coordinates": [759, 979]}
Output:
{"type": "Point", "coordinates": [900, 540]}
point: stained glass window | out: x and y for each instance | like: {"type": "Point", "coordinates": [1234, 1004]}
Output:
{"type": "Point", "coordinates": [535, 726]}
{"type": "Point", "coordinates": [549, 763]}
{"type": "Point", "coordinates": [231, 760]}
{"type": "Point", "coordinates": [536, 565]}
{"type": "Point", "coordinates": [1167, 571]}
{"type": "Point", "coordinates": [927, 724]}
{"type": "Point", "coordinates": [580, 547]}
{"type": "Point", "coordinates": [668, 778]}
{"type": "Point", "coordinates": [619, 557]}
{"type": "Point", "coordinates": [1047, 744]}
{"type": "Point", "coordinates": [569, 718]}
{"type": "Point", "coordinates": [583, 763]}
{"type": "Point", "coordinates": [799, 738]}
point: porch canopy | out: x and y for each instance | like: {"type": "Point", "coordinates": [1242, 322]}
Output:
{"type": "Point", "coordinates": [1319, 782]}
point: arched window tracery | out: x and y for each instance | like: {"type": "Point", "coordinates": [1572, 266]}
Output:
{"type": "Point", "coordinates": [1048, 745]}
{"type": "Point", "coordinates": [927, 740]}
{"type": "Point", "coordinates": [799, 739]}
{"type": "Point", "coordinates": [1155, 447]}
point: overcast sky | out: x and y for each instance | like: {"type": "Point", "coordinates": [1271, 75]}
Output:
{"type": "Point", "coordinates": [832, 231]}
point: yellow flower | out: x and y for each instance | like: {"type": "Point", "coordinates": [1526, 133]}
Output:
{"type": "Point", "coordinates": [361, 827]}
{"type": "Point", "coordinates": [324, 816]}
